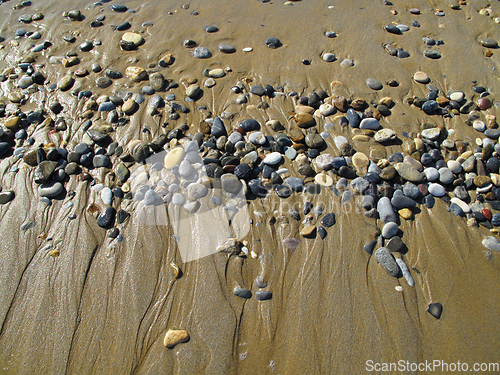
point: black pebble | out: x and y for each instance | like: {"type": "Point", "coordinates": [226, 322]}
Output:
{"type": "Point", "coordinates": [435, 309]}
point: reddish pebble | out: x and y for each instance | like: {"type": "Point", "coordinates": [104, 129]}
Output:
{"type": "Point", "coordinates": [229, 168]}
{"type": "Point", "coordinates": [52, 131]}
{"type": "Point", "coordinates": [423, 189]}
{"type": "Point", "coordinates": [484, 103]}
{"type": "Point", "coordinates": [486, 213]}
{"type": "Point", "coordinates": [81, 72]}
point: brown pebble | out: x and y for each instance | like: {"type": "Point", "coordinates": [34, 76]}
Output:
{"type": "Point", "coordinates": [484, 103]}
{"type": "Point", "coordinates": [174, 337]}
{"type": "Point", "coordinates": [358, 104]}
{"type": "Point", "coordinates": [405, 213]}
{"type": "Point", "coordinates": [488, 53]}
{"type": "Point", "coordinates": [482, 181]}
{"type": "Point", "coordinates": [307, 230]}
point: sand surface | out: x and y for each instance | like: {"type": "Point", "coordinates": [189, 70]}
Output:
{"type": "Point", "coordinates": [103, 307]}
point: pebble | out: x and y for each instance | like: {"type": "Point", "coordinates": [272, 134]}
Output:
{"type": "Point", "coordinates": [263, 295]}
{"type": "Point", "coordinates": [421, 77]}
{"type": "Point", "coordinates": [51, 189]}
{"type": "Point", "coordinates": [435, 309]}
{"type": "Point", "coordinates": [385, 210]}
{"type": "Point", "coordinates": [273, 43]}
{"type": "Point", "coordinates": [389, 230]}
{"type": "Point", "coordinates": [387, 261]}
{"type": "Point", "coordinates": [226, 48]}
{"type": "Point", "coordinates": [202, 53]}
{"type": "Point", "coordinates": [328, 220]}
{"type": "Point", "coordinates": [436, 190]}
{"type": "Point", "coordinates": [329, 57]}
{"type": "Point", "coordinates": [308, 230]}
{"type": "Point", "coordinates": [174, 337]}
{"type": "Point", "coordinates": [6, 196]}
{"type": "Point", "coordinates": [405, 271]}
{"type": "Point", "coordinates": [491, 243]}
{"type": "Point", "coordinates": [489, 43]}
{"type": "Point", "coordinates": [65, 83]}
{"type": "Point", "coordinates": [385, 135]}
{"type": "Point", "coordinates": [178, 199]}
{"type": "Point", "coordinates": [291, 243]}
{"type": "Point", "coordinates": [432, 54]}
{"type": "Point", "coordinates": [106, 196]}
{"type": "Point", "coordinates": [132, 38]}
{"type": "Point", "coordinates": [273, 158]}
{"type": "Point", "coordinates": [369, 123]}
{"type": "Point", "coordinates": [373, 83]}
{"type": "Point", "coordinates": [242, 293]}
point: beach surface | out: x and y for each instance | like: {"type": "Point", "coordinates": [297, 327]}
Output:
{"type": "Point", "coordinates": [102, 306]}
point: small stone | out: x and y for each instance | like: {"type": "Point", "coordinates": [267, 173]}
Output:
{"type": "Point", "coordinates": [242, 293]}
{"type": "Point", "coordinates": [226, 48]}
{"type": "Point", "coordinates": [107, 218]}
{"type": "Point", "coordinates": [136, 73]}
{"type": "Point", "coordinates": [329, 57]}
{"type": "Point", "coordinates": [273, 43]}
{"type": "Point", "coordinates": [65, 83]}
{"type": "Point", "coordinates": [202, 53]}
{"type": "Point", "coordinates": [387, 261]}
{"type": "Point", "coordinates": [308, 230]}
{"type": "Point", "coordinates": [273, 158]}
{"type": "Point", "coordinates": [6, 196]}
{"type": "Point", "coordinates": [43, 172]}
{"type": "Point", "coordinates": [421, 77]}
{"type": "Point", "coordinates": [489, 43]}
{"type": "Point", "coordinates": [51, 189]}
{"type": "Point", "coordinates": [328, 220]}
{"type": "Point", "coordinates": [389, 230]}
{"type": "Point", "coordinates": [369, 123]}
{"type": "Point", "coordinates": [373, 83]}
{"type": "Point", "coordinates": [385, 135]}
{"type": "Point", "coordinates": [13, 122]}
{"type": "Point", "coordinates": [174, 337]}
{"type": "Point", "coordinates": [432, 54]}
{"type": "Point", "coordinates": [133, 38]}
{"type": "Point", "coordinates": [435, 309]}
{"type": "Point", "coordinates": [291, 243]}
{"type": "Point", "coordinates": [408, 172]}
{"type": "Point", "coordinates": [436, 190]}
{"type": "Point", "coordinates": [263, 295]}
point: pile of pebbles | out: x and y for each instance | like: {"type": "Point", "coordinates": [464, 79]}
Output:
{"type": "Point", "coordinates": [251, 157]}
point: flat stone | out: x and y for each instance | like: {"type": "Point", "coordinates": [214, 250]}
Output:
{"type": "Point", "coordinates": [308, 230]}
{"type": "Point", "coordinates": [328, 220]}
{"type": "Point", "coordinates": [409, 173]}
{"type": "Point", "coordinates": [173, 157]}
{"type": "Point", "coordinates": [133, 38]}
{"type": "Point", "coordinates": [482, 181]}
{"type": "Point", "coordinates": [436, 190]}
{"type": "Point", "coordinates": [385, 135]}
{"type": "Point", "coordinates": [129, 107]}
{"type": "Point", "coordinates": [231, 183]}
{"type": "Point", "coordinates": [432, 54]}
{"type": "Point", "coordinates": [373, 83]}
{"type": "Point", "coordinates": [242, 293]}
{"type": "Point", "coordinates": [385, 210]}
{"type": "Point", "coordinates": [491, 243]}
{"type": "Point", "coordinates": [405, 271]}
{"type": "Point", "coordinates": [445, 175]}
{"type": "Point", "coordinates": [263, 295]}
{"type": "Point", "coordinates": [65, 83]}
{"type": "Point", "coordinates": [13, 122]}
{"type": "Point", "coordinates": [273, 43]}
{"type": "Point", "coordinates": [395, 245]}
{"type": "Point", "coordinates": [314, 141]}
{"type": "Point", "coordinates": [6, 196]}
{"type": "Point", "coordinates": [51, 189]}
{"type": "Point", "coordinates": [226, 48]}
{"type": "Point", "coordinates": [435, 309]}
{"type": "Point", "coordinates": [489, 43]}
{"type": "Point", "coordinates": [43, 172]}
{"type": "Point", "coordinates": [421, 77]}
{"type": "Point", "coordinates": [273, 158]}
{"type": "Point", "coordinates": [386, 260]}
{"type": "Point", "coordinates": [369, 123]}
{"type": "Point", "coordinates": [218, 129]}
{"type": "Point", "coordinates": [136, 73]}
{"type": "Point", "coordinates": [174, 337]}
{"type": "Point", "coordinates": [202, 53]}
{"type": "Point", "coordinates": [389, 230]}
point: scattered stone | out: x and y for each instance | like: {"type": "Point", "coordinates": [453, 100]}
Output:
{"type": "Point", "coordinates": [174, 337]}
{"type": "Point", "coordinates": [387, 261]}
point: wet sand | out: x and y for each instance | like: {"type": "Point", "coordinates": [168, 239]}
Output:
{"type": "Point", "coordinates": [102, 307]}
